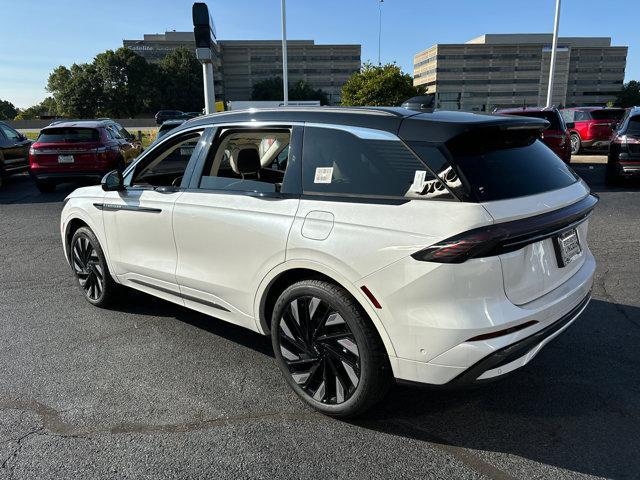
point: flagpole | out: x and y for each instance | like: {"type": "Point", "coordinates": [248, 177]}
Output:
{"type": "Point", "coordinates": [554, 48]}
{"type": "Point", "coordinates": [380, 2]}
{"type": "Point", "coordinates": [285, 80]}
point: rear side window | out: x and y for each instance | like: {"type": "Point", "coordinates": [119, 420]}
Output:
{"type": "Point", "coordinates": [369, 164]}
{"type": "Point", "coordinates": [498, 165]}
{"type": "Point", "coordinates": [69, 135]}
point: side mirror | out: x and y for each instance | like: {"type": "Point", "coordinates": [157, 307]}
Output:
{"type": "Point", "coordinates": [113, 181]}
{"type": "Point", "coordinates": [571, 125]}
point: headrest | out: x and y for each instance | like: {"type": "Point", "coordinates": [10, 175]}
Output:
{"type": "Point", "coordinates": [248, 160]}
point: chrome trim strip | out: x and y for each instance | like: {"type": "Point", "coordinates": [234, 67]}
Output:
{"type": "Point", "coordinates": [181, 295]}
{"type": "Point", "coordinates": [360, 132]}
{"type": "Point", "coordinates": [114, 207]}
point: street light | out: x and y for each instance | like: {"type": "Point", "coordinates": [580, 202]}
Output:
{"type": "Point", "coordinates": [554, 47]}
{"type": "Point", "coordinates": [205, 37]}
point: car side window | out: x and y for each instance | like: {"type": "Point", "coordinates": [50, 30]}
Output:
{"type": "Point", "coordinates": [247, 160]}
{"type": "Point", "coordinates": [582, 116]}
{"type": "Point", "coordinates": [374, 164]}
{"type": "Point", "coordinates": [567, 115]}
{"type": "Point", "coordinates": [10, 133]}
{"type": "Point", "coordinates": [165, 165]}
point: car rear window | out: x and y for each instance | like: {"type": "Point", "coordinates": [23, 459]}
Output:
{"type": "Point", "coordinates": [551, 117]}
{"type": "Point", "coordinates": [75, 134]}
{"type": "Point", "coordinates": [608, 114]}
{"type": "Point", "coordinates": [498, 165]}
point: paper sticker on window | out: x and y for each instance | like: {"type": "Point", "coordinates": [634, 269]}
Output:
{"type": "Point", "coordinates": [323, 175]}
{"type": "Point", "coordinates": [418, 181]}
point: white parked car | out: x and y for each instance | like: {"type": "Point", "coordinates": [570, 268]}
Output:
{"type": "Point", "coordinates": [371, 244]}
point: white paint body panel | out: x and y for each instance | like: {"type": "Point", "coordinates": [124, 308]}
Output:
{"type": "Point", "coordinates": [218, 253]}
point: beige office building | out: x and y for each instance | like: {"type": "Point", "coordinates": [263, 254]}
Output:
{"type": "Point", "coordinates": [506, 70]}
{"type": "Point", "coordinates": [240, 64]}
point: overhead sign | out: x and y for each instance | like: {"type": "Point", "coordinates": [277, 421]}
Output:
{"type": "Point", "coordinates": [203, 28]}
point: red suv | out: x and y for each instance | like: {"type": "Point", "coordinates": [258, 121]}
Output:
{"type": "Point", "coordinates": [556, 136]}
{"type": "Point", "coordinates": [592, 126]}
{"type": "Point", "coordinates": [82, 150]}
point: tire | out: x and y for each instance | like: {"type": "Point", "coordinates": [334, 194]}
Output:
{"type": "Point", "coordinates": [331, 356]}
{"type": "Point", "coordinates": [45, 187]}
{"type": "Point", "coordinates": [90, 268]}
{"type": "Point", "coordinates": [576, 144]}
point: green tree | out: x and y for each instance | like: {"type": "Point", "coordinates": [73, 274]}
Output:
{"type": "Point", "coordinates": [123, 78]}
{"type": "Point", "coordinates": [377, 85]}
{"type": "Point", "coordinates": [180, 81]}
{"type": "Point", "coordinates": [629, 96]}
{"type": "Point", "coordinates": [7, 110]}
{"type": "Point", "coordinates": [77, 90]}
{"type": "Point", "coordinates": [271, 89]}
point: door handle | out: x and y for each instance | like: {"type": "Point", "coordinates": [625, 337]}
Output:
{"type": "Point", "coordinates": [166, 189]}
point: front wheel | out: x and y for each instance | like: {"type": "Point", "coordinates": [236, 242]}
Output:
{"type": "Point", "coordinates": [328, 350]}
{"type": "Point", "coordinates": [576, 144]}
{"type": "Point", "coordinates": [90, 268]}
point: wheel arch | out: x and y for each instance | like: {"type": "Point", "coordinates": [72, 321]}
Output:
{"type": "Point", "coordinates": [290, 272]}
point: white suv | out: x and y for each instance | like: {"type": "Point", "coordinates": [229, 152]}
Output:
{"type": "Point", "coordinates": [371, 244]}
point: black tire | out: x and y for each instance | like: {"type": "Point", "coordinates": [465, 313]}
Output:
{"type": "Point", "coordinates": [90, 268]}
{"type": "Point", "coordinates": [576, 144]}
{"type": "Point", "coordinates": [45, 187]}
{"type": "Point", "coordinates": [332, 356]}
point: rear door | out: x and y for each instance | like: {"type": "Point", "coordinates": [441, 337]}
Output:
{"type": "Point", "coordinates": [231, 226]}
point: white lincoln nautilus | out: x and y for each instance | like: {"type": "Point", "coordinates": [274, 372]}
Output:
{"type": "Point", "coordinates": [371, 244]}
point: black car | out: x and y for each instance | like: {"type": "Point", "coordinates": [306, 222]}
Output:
{"type": "Point", "coordinates": [624, 148]}
{"type": "Point", "coordinates": [14, 151]}
{"type": "Point", "coordinates": [167, 126]}
{"type": "Point", "coordinates": [164, 115]}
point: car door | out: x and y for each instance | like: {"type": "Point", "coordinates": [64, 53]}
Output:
{"type": "Point", "coordinates": [231, 226]}
{"type": "Point", "coordinates": [15, 149]}
{"type": "Point", "coordinates": [138, 220]}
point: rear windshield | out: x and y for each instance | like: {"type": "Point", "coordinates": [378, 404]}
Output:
{"type": "Point", "coordinates": [497, 165]}
{"type": "Point", "coordinates": [69, 135]}
{"type": "Point", "coordinates": [551, 117]}
{"type": "Point", "coordinates": [608, 114]}
{"type": "Point", "coordinates": [634, 126]}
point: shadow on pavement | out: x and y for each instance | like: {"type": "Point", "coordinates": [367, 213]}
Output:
{"type": "Point", "coordinates": [594, 173]}
{"type": "Point", "coordinates": [20, 189]}
{"type": "Point", "coordinates": [574, 407]}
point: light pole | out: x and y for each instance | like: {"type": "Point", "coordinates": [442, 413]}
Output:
{"type": "Point", "coordinates": [204, 33]}
{"type": "Point", "coordinates": [285, 80]}
{"type": "Point", "coordinates": [379, 28]}
{"type": "Point", "coordinates": [554, 47]}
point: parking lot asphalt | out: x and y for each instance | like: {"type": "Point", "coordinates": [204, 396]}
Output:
{"type": "Point", "coordinates": [152, 390]}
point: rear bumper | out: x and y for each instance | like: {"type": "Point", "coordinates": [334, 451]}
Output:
{"type": "Point", "coordinates": [629, 169]}
{"type": "Point", "coordinates": [63, 177]}
{"type": "Point", "coordinates": [471, 362]}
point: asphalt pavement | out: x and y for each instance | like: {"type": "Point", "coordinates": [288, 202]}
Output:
{"type": "Point", "coordinates": [153, 390]}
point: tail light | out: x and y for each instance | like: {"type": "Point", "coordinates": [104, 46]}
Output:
{"type": "Point", "coordinates": [625, 140]}
{"type": "Point", "coordinates": [507, 236]}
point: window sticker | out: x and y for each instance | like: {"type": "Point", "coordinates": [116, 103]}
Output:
{"type": "Point", "coordinates": [323, 175]}
{"type": "Point", "coordinates": [419, 181]}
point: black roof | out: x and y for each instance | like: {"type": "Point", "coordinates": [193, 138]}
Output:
{"type": "Point", "coordinates": [437, 126]}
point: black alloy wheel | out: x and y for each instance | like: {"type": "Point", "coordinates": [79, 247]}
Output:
{"type": "Point", "coordinates": [329, 351]}
{"type": "Point", "coordinates": [90, 268]}
{"type": "Point", "coordinates": [87, 266]}
{"type": "Point", "coordinates": [320, 350]}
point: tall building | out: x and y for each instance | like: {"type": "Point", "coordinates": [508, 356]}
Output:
{"type": "Point", "coordinates": [239, 64]}
{"type": "Point", "coordinates": [506, 70]}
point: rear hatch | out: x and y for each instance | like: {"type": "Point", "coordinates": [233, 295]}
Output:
{"type": "Point", "coordinates": [603, 121]}
{"type": "Point", "coordinates": [539, 207]}
{"type": "Point", "coordinates": [68, 147]}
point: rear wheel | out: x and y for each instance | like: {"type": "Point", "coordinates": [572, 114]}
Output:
{"type": "Point", "coordinates": [45, 187]}
{"type": "Point", "coordinates": [576, 144]}
{"type": "Point", "coordinates": [90, 267]}
{"type": "Point", "coordinates": [329, 352]}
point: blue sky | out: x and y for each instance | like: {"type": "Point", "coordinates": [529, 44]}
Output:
{"type": "Point", "coordinates": [38, 35]}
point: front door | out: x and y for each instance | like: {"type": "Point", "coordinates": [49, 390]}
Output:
{"type": "Point", "coordinates": [138, 220]}
{"type": "Point", "coordinates": [231, 226]}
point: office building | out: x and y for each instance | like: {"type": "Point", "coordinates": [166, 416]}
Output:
{"type": "Point", "coordinates": [239, 64]}
{"type": "Point", "coordinates": [506, 70]}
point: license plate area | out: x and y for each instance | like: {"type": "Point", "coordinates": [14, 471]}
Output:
{"type": "Point", "coordinates": [66, 159]}
{"type": "Point", "coordinates": [567, 247]}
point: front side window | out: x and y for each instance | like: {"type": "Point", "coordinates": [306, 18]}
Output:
{"type": "Point", "coordinates": [361, 163]}
{"type": "Point", "coordinates": [9, 132]}
{"type": "Point", "coordinates": [166, 164]}
{"type": "Point", "coordinates": [250, 160]}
